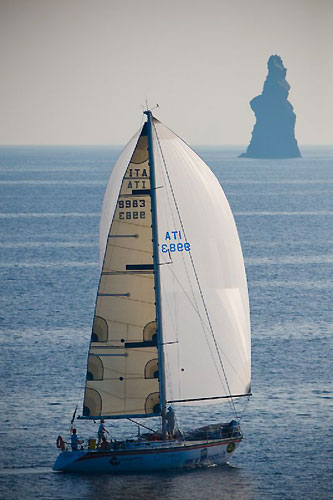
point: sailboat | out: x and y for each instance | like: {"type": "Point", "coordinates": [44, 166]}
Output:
{"type": "Point", "coordinates": [171, 325]}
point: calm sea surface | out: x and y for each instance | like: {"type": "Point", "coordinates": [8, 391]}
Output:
{"type": "Point", "coordinates": [50, 201]}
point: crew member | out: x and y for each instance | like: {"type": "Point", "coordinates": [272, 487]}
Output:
{"type": "Point", "coordinates": [75, 441]}
{"type": "Point", "coordinates": [170, 422]}
{"type": "Point", "coordinates": [102, 431]}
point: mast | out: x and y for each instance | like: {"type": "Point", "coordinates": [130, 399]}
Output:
{"type": "Point", "coordinates": [159, 332]}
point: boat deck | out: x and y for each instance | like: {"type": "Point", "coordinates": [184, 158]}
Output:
{"type": "Point", "coordinates": [120, 446]}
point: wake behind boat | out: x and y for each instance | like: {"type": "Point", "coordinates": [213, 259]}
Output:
{"type": "Point", "coordinates": [171, 323]}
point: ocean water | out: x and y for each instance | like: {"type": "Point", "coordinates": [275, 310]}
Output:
{"type": "Point", "coordinates": [49, 214]}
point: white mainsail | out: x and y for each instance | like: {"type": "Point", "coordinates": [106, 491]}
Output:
{"type": "Point", "coordinates": [122, 372]}
{"type": "Point", "coordinates": [204, 298]}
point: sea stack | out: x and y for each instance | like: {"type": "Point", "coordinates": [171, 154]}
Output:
{"type": "Point", "coordinates": [273, 134]}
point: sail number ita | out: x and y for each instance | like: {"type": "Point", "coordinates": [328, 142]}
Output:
{"type": "Point", "coordinates": [174, 243]}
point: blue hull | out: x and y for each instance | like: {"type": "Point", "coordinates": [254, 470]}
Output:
{"type": "Point", "coordinates": [148, 457]}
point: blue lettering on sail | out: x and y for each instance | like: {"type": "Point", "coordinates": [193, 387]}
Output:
{"type": "Point", "coordinates": [175, 243]}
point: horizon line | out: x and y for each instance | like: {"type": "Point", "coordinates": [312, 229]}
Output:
{"type": "Point", "coordinates": [124, 144]}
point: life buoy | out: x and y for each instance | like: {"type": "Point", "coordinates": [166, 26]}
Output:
{"type": "Point", "coordinates": [231, 447]}
{"type": "Point", "coordinates": [60, 442]}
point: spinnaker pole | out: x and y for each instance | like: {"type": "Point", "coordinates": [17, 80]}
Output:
{"type": "Point", "coordinates": [159, 331]}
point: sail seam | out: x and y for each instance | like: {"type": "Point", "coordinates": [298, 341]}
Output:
{"type": "Point", "coordinates": [125, 273]}
{"type": "Point", "coordinates": [129, 299]}
{"type": "Point", "coordinates": [129, 248]}
{"type": "Point", "coordinates": [132, 223]}
{"type": "Point", "coordinates": [123, 236]}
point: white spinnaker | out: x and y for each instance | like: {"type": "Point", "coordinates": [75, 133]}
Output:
{"type": "Point", "coordinates": [193, 366]}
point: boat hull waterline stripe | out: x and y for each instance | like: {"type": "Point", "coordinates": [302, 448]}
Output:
{"type": "Point", "coordinates": [98, 454]}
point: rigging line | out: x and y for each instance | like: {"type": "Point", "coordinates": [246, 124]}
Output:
{"type": "Point", "coordinates": [173, 317]}
{"type": "Point", "coordinates": [195, 305]}
{"type": "Point", "coordinates": [164, 172]}
{"type": "Point", "coordinates": [167, 180]}
{"type": "Point", "coordinates": [203, 324]}
{"type": "Point", "coordinates": [172, 216]}
{"type": "Point", "coordinates": [141, 425]}
{"type": "Point", "coordinates": [175, 278]}
{"type": "Point", "coordinates": [195, 272]}
{"type": "Point", "coordinates": [169, 306]}
{"type": "Point", "coordinates": [171, 212]}
{"type": "Point", "coordinates": [205, 327]}
{"type": "Point", "coordinates": [244, 411]}
{"type": "Point", "coordinates": [177, 332]}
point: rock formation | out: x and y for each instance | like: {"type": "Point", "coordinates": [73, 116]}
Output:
{"type": "Point", "coordinates": [273, 134]}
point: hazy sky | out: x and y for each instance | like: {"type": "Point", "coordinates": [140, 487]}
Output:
{"type": "Point", "coordinates": [78, 71]}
